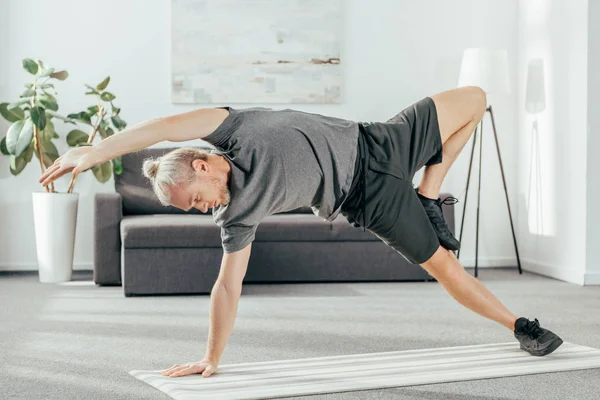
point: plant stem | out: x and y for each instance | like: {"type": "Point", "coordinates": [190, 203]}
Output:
{"type": "Point", "coordinates": [38, 148]}
{"type": "Point", "coordinates": [90, 140]}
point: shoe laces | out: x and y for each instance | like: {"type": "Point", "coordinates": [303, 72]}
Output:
{"type": "Point", "coordinates": [438, 218]}
{"type": "Point", "coordinates": [448, 201]}
{"type": "Point", "coordinates": [533, 329]}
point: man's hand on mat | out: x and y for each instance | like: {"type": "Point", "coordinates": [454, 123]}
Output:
{"type": "Point", "coordinates": [78, 159]}
{"type": "Point", "coordinates": [206, 367]}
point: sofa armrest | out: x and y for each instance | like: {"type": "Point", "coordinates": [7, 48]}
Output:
{"type": "Point", "coordinates": [108, 212]}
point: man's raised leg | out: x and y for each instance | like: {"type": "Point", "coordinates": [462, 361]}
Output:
{"type": "Point", "coordinates": [458, 111]}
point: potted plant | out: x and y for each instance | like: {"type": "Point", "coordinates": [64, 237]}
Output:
{"type": "Point", "coordinates": [32, 132]}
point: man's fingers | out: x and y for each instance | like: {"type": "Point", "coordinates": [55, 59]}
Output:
{"type": "Point", "coordinates": [169, 369]}
{"type": "Point", "coordinates": [175, 369]}
{"type": "Point", "coordinates": [183, 372]}
{"type": "Point", "coordinates": [48, 171]}
{"type": "Point", "coordinates": [57, 173]}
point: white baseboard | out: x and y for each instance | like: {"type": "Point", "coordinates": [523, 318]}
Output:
{"type": "Point", "coordinates": [592, 278]}
{"type": "Point", "coordinates": [32, 266]}
{"type": "Point", "coordinates": [571, 276]}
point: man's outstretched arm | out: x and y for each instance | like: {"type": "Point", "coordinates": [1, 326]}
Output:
{"type": "Point", "coordinates": [224, 300]}
{"type": "Point", "coordinates": [196, 124]}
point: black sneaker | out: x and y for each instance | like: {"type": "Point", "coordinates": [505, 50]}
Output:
{"type": "Point", "coordinates": [433, 208]}
{"type": "Point", "coordinates": [534, 339]}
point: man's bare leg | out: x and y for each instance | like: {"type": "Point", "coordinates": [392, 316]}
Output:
{"type": "Point", "coordinates": [466, 289]}
{"type": "Point", "coordinates": [459, 111]}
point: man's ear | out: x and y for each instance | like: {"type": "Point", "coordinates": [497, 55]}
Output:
{"type": "Point", "coordinates": [199, 165]}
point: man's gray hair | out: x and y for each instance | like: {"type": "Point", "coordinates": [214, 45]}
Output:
{"type": "Point", "coordinates": [173, 168]}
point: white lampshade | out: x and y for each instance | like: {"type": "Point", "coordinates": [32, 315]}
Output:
{"type": "Point", "coordinates": [485, 68]}
{"type": "Point", "coordinates": [535, 97]}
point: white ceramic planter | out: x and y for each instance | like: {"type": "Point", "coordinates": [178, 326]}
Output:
{"type": "Point", "coordinates": [55, 218]}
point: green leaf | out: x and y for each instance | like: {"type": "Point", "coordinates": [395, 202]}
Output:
{"type": "Point", "coordinates": [49, 157]}
{"type": "Point", "coordinates": [11, 115]}
{"type": "Point", "coordinates": [16, 104]}
{"type": "Point", "coordinates": [116, 110]}
{"type": "Point", "coordinates": [48, 133]}
{"type": "Point", "coordinates": [29, 85]}
{"type": "Point", "coordinates": [55, 115]}
{"type": "Point", "coordinates": [30, 66]}
{"type": "Point", "coordinates": [47, 72]}
{"type": "Point", "coordinates": [118, 165]}
{"type": "Point", "coordinates": [19, 136]}
{"type": "Point", "coordinates": [92, 89]}
{"type": "Point", "coordinates": [81, 116]}
{"type": "Point", "coordinates": [103, 172]}
{"type": "Point", "coordinates": [17, 164]}
{"type": "Point", "coordinates": [48, 101]}
{"type": "Point", "coordinates": [38, 116]}
{"type": "Point", "coordinates": [49, 149]}
{"type": "Point", "coordinates": [3, 148]}
{"type": "Point", "coordinates": [60, 75]}
{"type": "Point", "coordinates": [28, 154]}
{"type": "Point", "coordinates": [102, 85]}
{"type": "Point", "coordinates": [93, 110]}
{"type": "Point", "coordinates": [28, 93]}
{"type": "Point", "coordinates": [76, 137]}
{"type": "Point", "coordinates": [104, 133]}
{"type": "Point", "coordinates": [118, 122]}
{"type": "Point", "coordinates": [107, 96]}
{"type": "Point", "coordinates": [47, 85]}
{"type": "Point", "coordinates": [94, 92]}
{"type": "Point", "coordinates": [41, 64]}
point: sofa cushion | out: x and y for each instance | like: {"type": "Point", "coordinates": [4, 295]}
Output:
{"type": "Point", "coordinates": [184, 231]}
{"type": "Point", "coordinates": [136, 190]}
{"type": "Point", "coordinates": [164, 230]}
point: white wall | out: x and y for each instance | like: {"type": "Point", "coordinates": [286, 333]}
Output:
{"type": "Point", "coordinates": [395, 53]}
{"type": "Point", "coordinates": [555, 243]}
{"type": "Point", "coordinates": [592, 274]}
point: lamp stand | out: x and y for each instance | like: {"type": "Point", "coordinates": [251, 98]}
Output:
{"type": "Point", "coordinates": [462, 224]}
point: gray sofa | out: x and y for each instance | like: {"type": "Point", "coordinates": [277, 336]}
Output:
{"type": "Point", "coordinates": [151, 249]}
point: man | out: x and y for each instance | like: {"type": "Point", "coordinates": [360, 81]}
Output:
{"type": "Point", "coordinates": [271, 161]}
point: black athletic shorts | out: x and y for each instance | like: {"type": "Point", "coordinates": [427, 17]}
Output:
{"type": "Point", "coordinates": [393, 152]}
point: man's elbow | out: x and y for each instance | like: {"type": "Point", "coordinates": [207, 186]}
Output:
{"type": "Point", "coordinates": [231, 289]}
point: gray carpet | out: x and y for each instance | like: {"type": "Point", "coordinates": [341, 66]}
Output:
{"type": "Point", "coordinates": [78, 341]}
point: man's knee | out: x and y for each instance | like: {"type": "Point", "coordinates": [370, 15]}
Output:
{"type": "Point", "coordinates": [478, 98]}
{"type": "Point", "coordinates": [443, 265]}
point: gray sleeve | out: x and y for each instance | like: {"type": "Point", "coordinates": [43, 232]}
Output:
{"type": "Point", "coordinates": [236, 237]}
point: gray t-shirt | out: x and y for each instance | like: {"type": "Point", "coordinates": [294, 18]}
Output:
{"type": "Point", "coordinates": [281, 160]}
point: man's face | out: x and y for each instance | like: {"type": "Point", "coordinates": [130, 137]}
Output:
{"type": "Point", "coordinates": [206, 191]}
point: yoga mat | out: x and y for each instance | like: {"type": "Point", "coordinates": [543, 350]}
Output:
{"type": "Point", "coordinates": [276, 379]}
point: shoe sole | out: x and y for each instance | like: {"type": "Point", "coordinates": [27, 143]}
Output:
{"type": "Point", "coordinates": [540, 353]}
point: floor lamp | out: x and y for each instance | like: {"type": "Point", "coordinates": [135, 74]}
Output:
{"type": "Point", "coordinates": [488, 70]}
